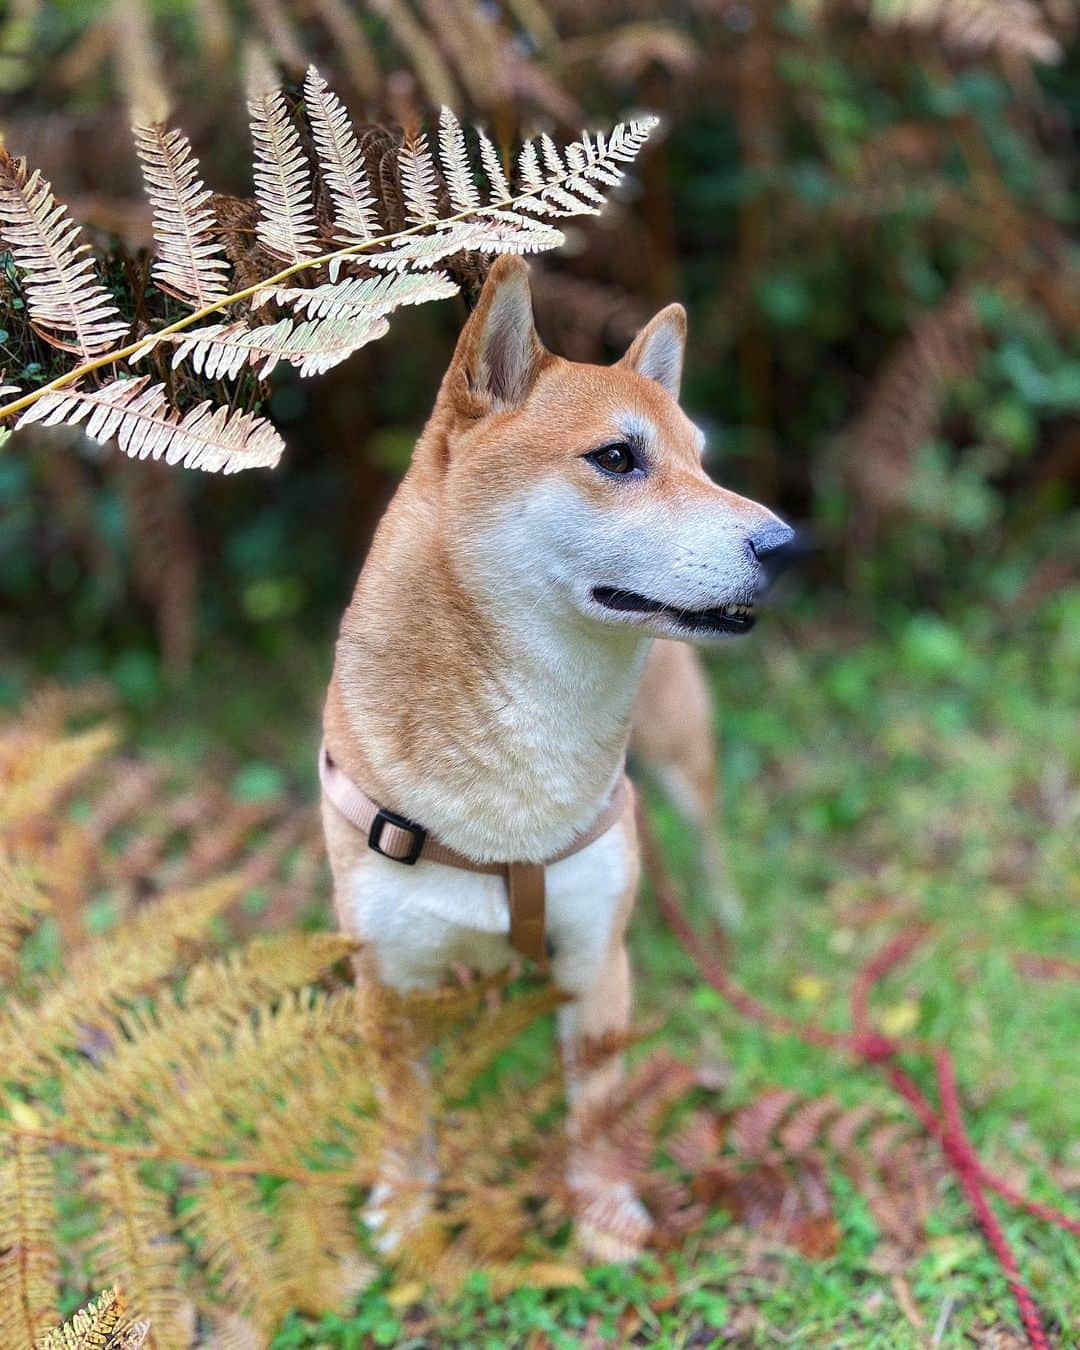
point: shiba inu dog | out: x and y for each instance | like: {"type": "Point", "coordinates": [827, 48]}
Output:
{"type": "Point", "coordinates": [555, 521]}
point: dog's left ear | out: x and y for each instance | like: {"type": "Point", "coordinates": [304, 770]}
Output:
{"type": "Point", "coordinates": [657, 351]}
{"type": "Point", "coordinates": [499, 354]}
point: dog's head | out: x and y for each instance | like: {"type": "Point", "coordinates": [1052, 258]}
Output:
{"type": "Point", "coordinates": [580, 487]}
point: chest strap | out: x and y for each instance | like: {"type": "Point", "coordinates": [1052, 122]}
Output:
{"type": "Point", "coordinates": [403, 841]}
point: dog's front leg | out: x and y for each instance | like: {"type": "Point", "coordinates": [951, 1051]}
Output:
{"type": "Point", "coordinates": [402, 1195]}
{"type": "Point", "coordinates": [612, 1224]}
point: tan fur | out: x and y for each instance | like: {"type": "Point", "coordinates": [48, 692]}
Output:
{"type": "Point", "coordinates": [477, 690]}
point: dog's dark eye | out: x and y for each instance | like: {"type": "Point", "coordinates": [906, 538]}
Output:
{"type": "Point", "coordinates": [615, 459]}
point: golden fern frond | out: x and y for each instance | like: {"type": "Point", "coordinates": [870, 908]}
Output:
{"type": "Point", "coordinates": [29, 1269]}
{"type": "Point", "coordinates": [138, 416]}
{"type": "Point", "coordinates": [101, 1325]}
{"type": "Point", "coordinates": [317, 1248]}
{"type": "Point", "coordinates": [243, 1080]}
{"type": "Point", "coordinates": [492, 1033]}
{"type": "Point", "coordinates": [341, 162]}
{"type": "Point", "coordinates": [135, 1243]}
{"type": "Point", "coordinates": [286, 227]}
{"type": "Point", "coordinates": [21, 903]}
{"type": "Point", "coordinates": [330, 1106]}
{"type": "Point", "coordinates": [152, 1048]}
{"type": "Point", "coordinates": [68, 305]}
{"type": "Point", "coordinates": [148, 947]}
{"type": "Point", "coordinates": [52, 769]}
{"type": "Point", "coordinates": [190, 263]}
{"type": "Point", "coordinates": [267, 967]}
{"type": "Point", "coordinates": [235, 1236]}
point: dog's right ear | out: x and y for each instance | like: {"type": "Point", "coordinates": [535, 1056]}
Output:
{"type": "Point", "coordinates": [499, 355]}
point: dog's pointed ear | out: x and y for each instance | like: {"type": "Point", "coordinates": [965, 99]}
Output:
{"type": "Point", "coordinates": [657, 351]}
{"type": "Point", "coordinates": [499, 354]}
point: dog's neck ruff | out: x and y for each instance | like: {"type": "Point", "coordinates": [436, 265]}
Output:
{"type": "Point", "coordinates": [405, 842]}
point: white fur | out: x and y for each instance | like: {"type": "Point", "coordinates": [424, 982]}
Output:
{"type": "Point", "coordinates": [424, 919]}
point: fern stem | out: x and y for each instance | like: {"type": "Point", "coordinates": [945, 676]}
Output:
{"type": "Point", "coordinates": [86, 1143]}
{"type": "Point", "coordinates": [322, 260]}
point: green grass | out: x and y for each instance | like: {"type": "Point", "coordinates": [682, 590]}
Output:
{"type": "Point", "coordinates": [927, 765]}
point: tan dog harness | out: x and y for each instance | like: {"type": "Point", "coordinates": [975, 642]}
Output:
{"type": "Point", "coordinates": [403, 841]}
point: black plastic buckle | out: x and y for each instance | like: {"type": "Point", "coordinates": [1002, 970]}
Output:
{"type": "Point", "coordinates": [384, 818]}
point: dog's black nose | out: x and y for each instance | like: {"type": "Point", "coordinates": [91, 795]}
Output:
{"type": "Point", "coordinates": [773, 544]}
{"type": "Point", "coordinates": [771, 539]}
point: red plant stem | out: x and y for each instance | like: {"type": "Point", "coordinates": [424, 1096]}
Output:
{"type": "Point", "coordinates": [872, 1048]}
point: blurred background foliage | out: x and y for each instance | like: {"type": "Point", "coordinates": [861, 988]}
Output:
{"type": "Point", "coordinates": [868, 206]}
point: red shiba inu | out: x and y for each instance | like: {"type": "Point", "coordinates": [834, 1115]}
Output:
{"type": "Point", "coordinates": [556, 520]}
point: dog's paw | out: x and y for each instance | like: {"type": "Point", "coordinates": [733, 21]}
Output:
{"type": "Point", "coordinates": [612, 1225]}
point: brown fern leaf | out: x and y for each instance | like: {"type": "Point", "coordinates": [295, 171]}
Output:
{"type": "Point", "coordinates": [752, 1127]}
{"type": "Point", "coordinates": [68, 305]}
{"type": "Point", "coordinates": [904, 407]}
{"type": "Point", "coordinates": [784, 1204]}
{"type": "Point", "coordinates": [136, 1243]}
{"type": "Point", "coordinates": [29, 1270]}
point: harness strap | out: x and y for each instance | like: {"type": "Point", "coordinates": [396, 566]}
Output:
{"type": "Point", "coordinates": [403, 841]}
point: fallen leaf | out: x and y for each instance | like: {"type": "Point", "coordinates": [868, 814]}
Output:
{"type": "Point", "coordinates": [899, 1018]}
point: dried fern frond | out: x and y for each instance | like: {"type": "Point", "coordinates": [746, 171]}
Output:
{"type": "Point", "coordinates": [317, 1248]}
{"type": "Point", "coordinates": [28, 1261]}
{"type": "Point", "coordinates": [236, 1239]}
{"type": "Point", "coordinates": [104, 975]}
{"type": "Point", "coordinates": [498, 183]}
{"type": "Point", "coordinates": [419, 181]}
{"type": "Point", "coordinates": [68, 305]}
{"type": "Point", "coordinates": [191, 239]}
{"type": "Point", "coordinates": [286, 227]}
{"type": "Point", "coordinates": [22, 901]}
{"type": "Point", "coordinates": [139, 417]}
{"type": "Point", "coordinates": [50, 771]}
{"type": "Point", "coordinates": [457, 169]}
{"type": "Point", "coordinates": [374, 295]}
{"type": "Point", "coordinates": [1010, 27]}
{"type": "Point", "coordinates": [135, 1243]}
{"type": "Point", "coordinates": [103, 1325]}
{"type": "Point", "coordinates": [221, 351]}
{"type": "Point", "coordinates": [190, 264]}
{"type": "Point", "coordinates": [341, 161]}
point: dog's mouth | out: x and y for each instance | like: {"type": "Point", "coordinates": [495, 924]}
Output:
{"type": "Point", "coordinates": [732, 618]}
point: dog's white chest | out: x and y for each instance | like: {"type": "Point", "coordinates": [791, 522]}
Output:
{"type": "Point", "coordinates": [423, 920]}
